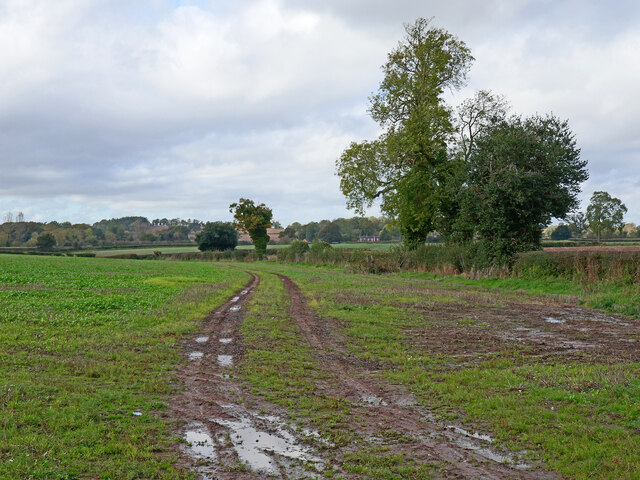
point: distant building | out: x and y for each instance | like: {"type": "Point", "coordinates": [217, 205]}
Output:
{"type": "Point", "coordinates": [368, 239]}
{"type": "Point", "coordinates": [243, 237]}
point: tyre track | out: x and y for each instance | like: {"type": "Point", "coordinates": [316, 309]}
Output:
{"type": "Point", "coordinates": [464, 454]}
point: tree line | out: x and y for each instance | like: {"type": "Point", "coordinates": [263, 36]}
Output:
{"type": "Point", "coordinates": [133, 229]}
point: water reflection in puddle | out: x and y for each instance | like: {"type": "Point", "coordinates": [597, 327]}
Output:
{"type": "Point", "coordinates": [251, 444]}
{"type": "Point", "coordinates": [235, 308]}
{"type": "Point", "coordinates": [465, 439]}
{"type": "Point", "coordinates": [225, 360]}
{"type": "Point", "coordinates": [235, 299]}
{"type": "Point", "coordinates": [553, 320]}
{"type": "Point", "coordinates": [195, 355]}
{"type": "Point", "coordinates": [202, 339]}
{"type": "Point", "coordinates": [244, 292]}
{"type": "Point", "coordinates": [373, 401]}
{"type": "Point", "coordinates": [467, 433]}
{"type": "Point", "coordinates": [200, 444]}
{"type": "Point", "coordinates": [226, 340]}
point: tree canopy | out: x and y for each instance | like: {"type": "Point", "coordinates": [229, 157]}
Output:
{"type": "Point", "coordinates": [521, 174]}
{"type": "Point", "coordinates": [217, 236]}
{"type": "Point", "coordinates": [562, 232]}
{"type": "Point", "coordinates": [406, 166]}
{"type": "Point", "coordinates": [45, 241]}
{"type": "Point", "coordinates": [254, 219]}
{"type": "Point", "coordinates": [605, 213]}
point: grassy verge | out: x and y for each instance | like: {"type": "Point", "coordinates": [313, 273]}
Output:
{"type": "Point", "coordinates": [84, 344]}
{"type": "Point", "coordinates": [580, 417]}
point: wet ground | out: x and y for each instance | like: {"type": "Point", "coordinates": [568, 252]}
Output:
{"type": "Point", "coordinates": [229, 433]}
{"type": "Point", "coordinates": [223, 438]}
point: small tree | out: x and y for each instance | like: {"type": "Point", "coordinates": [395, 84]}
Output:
{"type": "Point", "coordinates": [562, 232]}
{"type": "Point", "coordinates": [254, 219]}
{"type": "Point", "coordinates": [217, 236]}
{"type": "Point", "coordinates": [605, 213]}
{"type": "Point", "coordinates": [45, 241]}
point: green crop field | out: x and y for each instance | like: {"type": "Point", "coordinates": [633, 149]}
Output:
{"type": "Point", "coordinates": [460, 349]}
{"type": "Point", "coordinates": [84, 344]}
{"type": "Point", "coordinates": [380, 366]}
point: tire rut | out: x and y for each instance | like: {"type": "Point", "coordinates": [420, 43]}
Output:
{"type": "Point", "coordinates": [227, 432]}
{"type": "Point", "coordinates": [382, 406]}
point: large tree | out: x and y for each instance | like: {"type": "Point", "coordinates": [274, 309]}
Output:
{"type": "Point", "coordinates": [407, 166]}
{"type": "Point", "coordinates": [217, 236]}
{"type": "Point", "coordinates": [521, 174]}
{"type": "Point", "coordinates": [254, 219]}
{"type": "Point", "coordinates": [605, 213]}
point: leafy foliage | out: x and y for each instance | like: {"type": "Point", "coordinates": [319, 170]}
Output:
{"type": "Point", "coordinates": [330, 233]}
{"type": "Point", "coordinates": [217, 236]}
{"type": "Point", "coordinates": [563, 232]}
{"type": "Point", "coordinates": [406, 167]}
{"type": "Point", "coordinates": [521, 174]}
{"type": "Point", "coordinates": [45, 241]}
{"type": "Point", "coordinates": [605, 213]}
{"type": "Point", "coordinates": [254, 219]}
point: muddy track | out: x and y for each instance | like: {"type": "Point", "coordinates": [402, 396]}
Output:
{"type": "Point", "coordinates": [229, 433]}
{"type": "Point", "coordinates": [382, 406]}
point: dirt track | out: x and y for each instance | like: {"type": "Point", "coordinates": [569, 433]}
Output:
{"type": "Point", "coordinates": [228, 430]}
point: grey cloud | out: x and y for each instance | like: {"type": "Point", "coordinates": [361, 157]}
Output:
{"type": "Point", "coordinates": [115, 108]}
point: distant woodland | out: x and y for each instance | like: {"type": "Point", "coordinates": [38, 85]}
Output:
{"type": "Point", "coordinates": [136, 230]}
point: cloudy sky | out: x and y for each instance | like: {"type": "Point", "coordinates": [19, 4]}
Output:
{"type": "Point", "coordinates": [179, 108]}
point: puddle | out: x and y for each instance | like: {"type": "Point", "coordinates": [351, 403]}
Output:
{"type": "Point", "coordinates": [235, 299]}
{"type": "Point", "coordinates": [553, 320]}
{"type": "Point", "coordinates": [373, 401]}
{"type": "Point", "coordinates": [235, 308]}
{"type": "Point", "coordinates": [226, 340]}
{"type": "Point", "coordinates": [465, 439]}
{"type": "Point", "coordinates": [195, 355]}
{"type": "Point", "coordinates": [202, 339]}
{"type": "Point", "coordinates": [225, 360]}
{"type": "Point", "coordinates": [244, 292]}
{"type": "Point", "coordinates": [199, 442]}
{"type": "Point", "coordinates": [467, 433]}
{"type": "Point", "coordinates": [252, 444]}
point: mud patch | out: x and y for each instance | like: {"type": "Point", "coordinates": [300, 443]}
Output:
{"type": "Point", "coordinates": [195, 356]}
{"type": "Point", "coordinates": [259, 449]}
{"type": "Point", "coordinates": [199, 445]}
{"type": "Point", "coordinates": [373, 401]}
{"type": "Point", "coordinates": [225, 360]}
{"type": "Point", "coordinates": [553, 320]}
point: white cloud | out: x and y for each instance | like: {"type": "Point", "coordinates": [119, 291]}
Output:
{"type": "Point", "coordinates": [117, 108]}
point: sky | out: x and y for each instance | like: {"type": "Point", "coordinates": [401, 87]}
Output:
{"type": "Point", "coordinates": [162, 108]}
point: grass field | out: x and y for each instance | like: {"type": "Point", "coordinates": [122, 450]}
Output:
{"type": "Point", "coordinates": [84, 344]}
{"type": "Point", "coordinates": [568, 396]}
{"type": "Point", "coordinates": [387, 369]}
